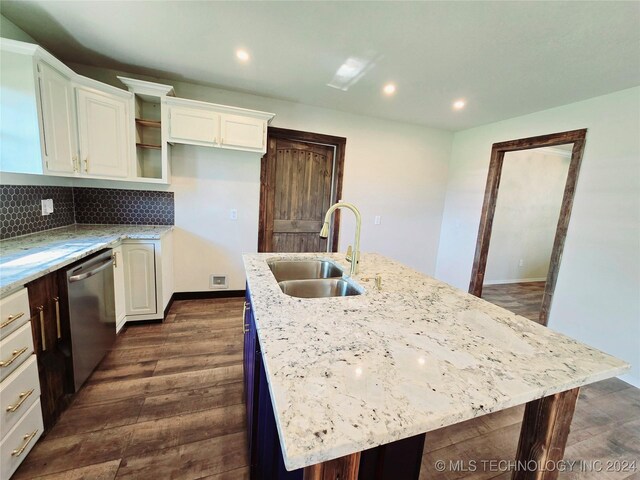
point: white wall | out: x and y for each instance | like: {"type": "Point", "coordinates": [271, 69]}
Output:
{"type": "Point", "coordinates": [597, 297]}
{"type": "Point", "coordinates": [527, 210]}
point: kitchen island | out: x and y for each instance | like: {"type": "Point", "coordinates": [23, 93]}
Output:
{"type": "Point", "coordinates": [348, 374]}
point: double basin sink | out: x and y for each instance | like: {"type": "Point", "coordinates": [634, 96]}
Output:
{"type": "Point", "coordinates": [311, 279]}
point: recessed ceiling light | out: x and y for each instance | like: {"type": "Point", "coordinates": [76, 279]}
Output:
{"type": "Point", "coordinates": [459, 104]}
{"type": "Point", "coordinates": [242, 55]}
{"type": "Point", "coordinates": [389, 89]}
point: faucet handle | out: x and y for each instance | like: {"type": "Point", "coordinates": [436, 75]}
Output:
{"type": "Point", "coordinates": [349, 256]}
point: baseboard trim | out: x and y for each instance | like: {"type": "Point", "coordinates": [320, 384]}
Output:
{"type": "Point", "coordinates": [207, 294]}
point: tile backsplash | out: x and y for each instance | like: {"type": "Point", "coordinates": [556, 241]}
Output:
{"type": "Point", "coordinates": [20, 207]}
{"type": "Point", "coordinates": [117, 206]}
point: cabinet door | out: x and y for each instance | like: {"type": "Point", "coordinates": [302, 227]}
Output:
{"type": "Point", "coordinates": [139, 278]}
{"type": "Point", "coordinates": [102, 130]}
{"type": "Point", "coordinates": [193, 126]}
{"type": "Point", "coordinates": [119, 286]}
{"type": "Point", "coordinates": [58, 118]}
{"type": "Point", "coordinates": [52, 346]}
{"type": "Point", "coordinates": [243, 132]}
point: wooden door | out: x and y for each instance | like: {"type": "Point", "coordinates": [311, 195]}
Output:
{"type": "Point", "coordinates": [297, 179]}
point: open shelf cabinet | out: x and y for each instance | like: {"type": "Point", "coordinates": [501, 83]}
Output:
{"type": "Point", "coordinates": [152, 152]}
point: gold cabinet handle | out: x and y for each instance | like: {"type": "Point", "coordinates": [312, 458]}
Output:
{"type": "Point", "coordinates": [21, 399]}
{"type": "Point", "coordinates": [74, 159]}
{"type": "Point", "coordinates": [115, 259]}
{"type": "Point", "coordinates": [57, 300]}
{"type": "Point", "coordinates": [15, 354]}
{"type": "Point", "coordinates": [10, 319]}
{"type": "Point", "coordinates": [26, 439]}
{"type": "Point", "coordinates": [245, 326]}
{"type": "Point", "coordinates": [42, 333]}
{"type": "Point", "coordinates": [86, 164]}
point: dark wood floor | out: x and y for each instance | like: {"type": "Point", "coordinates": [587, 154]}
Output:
{"type": "Point", "coordinates": [167, 403]}
{"type": "Point", "coordinates": [522, 298]}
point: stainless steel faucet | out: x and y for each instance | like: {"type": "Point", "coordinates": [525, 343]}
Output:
{"type": "Point", "coordinates": [352, 256]}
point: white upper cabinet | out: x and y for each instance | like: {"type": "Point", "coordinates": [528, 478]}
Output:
{"type": "Point", "coordinates": [195, 126]}
{"type": "Point", "coordinates": [243, 132]}
{"type": "Point", "coordinates": [208, 124]}
{"type": "Point", "coordinates": [58, 121]}
{"type": "Point", "coordinates": [103, 131]}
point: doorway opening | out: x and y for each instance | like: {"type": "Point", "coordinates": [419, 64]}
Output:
{"type": "Point", "coordinates": [300, 178]}
{"type": "Point", "coordinates": [523, 225]}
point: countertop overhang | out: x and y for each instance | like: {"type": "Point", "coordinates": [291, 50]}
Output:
{"type": "Point", "coordinates": [26, 258]}
{"type": "Point", "coordinates": [350, 373]}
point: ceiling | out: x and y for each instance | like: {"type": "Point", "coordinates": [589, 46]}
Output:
{"type": "Point", "coordinates": [504, 58]}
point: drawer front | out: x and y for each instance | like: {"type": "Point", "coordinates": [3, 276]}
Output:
{"type": "Point", "coordinates": [18, 392]}
{"type": "Point", "coordinates": [15, 349]}
{"type": "Point", "coordinates": [14, 312]}
{"type": "Point", "coordinates": [19, 441]}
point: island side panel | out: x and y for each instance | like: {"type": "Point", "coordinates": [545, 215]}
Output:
{"type": "Point", "coordinates": [543, 436]}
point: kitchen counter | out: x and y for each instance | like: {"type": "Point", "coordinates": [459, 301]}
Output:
{"type": "Point", "coordinates": [347, 374]}
{"type": "Point", "coordinates": [25, 258]}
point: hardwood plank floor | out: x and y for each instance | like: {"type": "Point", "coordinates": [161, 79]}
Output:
{"type": "Point", "coordinates": [521, 298]}
{"type": "Point", "coordinates": [157, 408]}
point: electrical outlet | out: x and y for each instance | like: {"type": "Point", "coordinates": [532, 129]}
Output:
{"type": "Point", "coordinates": [47, 206]}
{"type": "Point", "coordinates": [233, 214]}
{"type": "Point", "coordinates": [521, 263]}
{"type": "Point", "coordinates": [376, 220]}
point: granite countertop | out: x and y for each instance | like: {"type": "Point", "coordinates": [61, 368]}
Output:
{"type": "Point", "coordinates": [25, 258]}
{"type": "Point", "coordinates": [350, 373]}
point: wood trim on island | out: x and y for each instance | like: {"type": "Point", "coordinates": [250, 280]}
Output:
{"type": "Point", "coordinates": [498, 151]}
{"type": "Point", "coordinates": [344, 468]}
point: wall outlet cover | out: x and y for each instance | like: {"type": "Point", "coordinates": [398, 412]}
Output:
{"type": "Point", "coordinates": [218, 281]}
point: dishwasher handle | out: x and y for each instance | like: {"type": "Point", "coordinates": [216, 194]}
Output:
{"type": "Point", "coordinates": [82, 276]}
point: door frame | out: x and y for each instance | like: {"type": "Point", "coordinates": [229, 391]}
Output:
{"type": "Point", "coordinates": [577, 137]}
{"type": "Point", "coordinates": [339, 144]}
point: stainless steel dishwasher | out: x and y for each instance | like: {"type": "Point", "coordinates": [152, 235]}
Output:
{"type": "Point", "coordinates": [92, 315]}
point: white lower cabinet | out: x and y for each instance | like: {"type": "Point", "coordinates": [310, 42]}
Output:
{"type": "Point", "coordinates": [140, 278]}
{"type": "Point", "coordinates": [19, 441]}
{"type": "Point", "coordinates": [143, 277]}
{"type": "Point", "coordinates": [21, 423]}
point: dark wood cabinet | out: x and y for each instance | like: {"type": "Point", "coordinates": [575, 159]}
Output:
{"type": "Point", "coordinates": [249, 363]}
{"type": "Point", "coordinates": [265, 452]}
{"type": "Point", "coordinates": [50, 328]}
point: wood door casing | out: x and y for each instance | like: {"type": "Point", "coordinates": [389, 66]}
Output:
{"type": "Point", "coordinates": [577, 138]}
{"type": "Point", "coordinates": [297, 179]}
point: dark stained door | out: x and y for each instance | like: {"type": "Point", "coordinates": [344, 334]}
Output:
{"type": "Point", "coordinates": [297, 179]}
